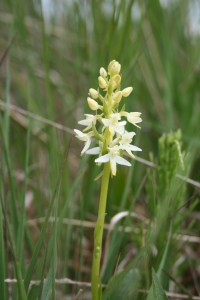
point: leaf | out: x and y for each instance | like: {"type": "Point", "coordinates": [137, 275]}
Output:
{"type": "Point", "coordinates": [123, 285]}
{"type": "Point", "coordinates": [158, 291]}
{"type": "Point", "coordinates": [47, 286]}
{"type": "Point", "coordinates": [159, 274]}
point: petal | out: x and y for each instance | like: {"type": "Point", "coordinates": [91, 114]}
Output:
{"type": "Point", "coordinates": [93, 151]}
{"type": "Point", "coordinates": [103, 159]}
{"type": "Point", "coordinates": [85, 122]}
{"type": "Point", "coordinates": [87, 145]}
{"type": "Point", "coordinates": [121, 161]}
{"type": "Point", "coordinates": [129, 152]}
{"type": "Point", "coordinates": [134, 120]}
{"type": "Point", "coordinates": [134, 148]}
{"type": "Point", "coordinates": [79, 133]}
{"type": "Point", "coordinates": [119, 128]}
{"type": "Point", "coordinates": [130, 134]}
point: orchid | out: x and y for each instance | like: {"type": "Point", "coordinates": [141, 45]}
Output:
{"type": "Point", "coordinates": [107, 129]}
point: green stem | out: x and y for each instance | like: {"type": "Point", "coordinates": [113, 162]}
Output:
{"type": "Point", "coordinates": [98, 234]}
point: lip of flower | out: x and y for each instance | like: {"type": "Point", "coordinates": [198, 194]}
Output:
{"type": "Point", "coordinates": [114, 158]}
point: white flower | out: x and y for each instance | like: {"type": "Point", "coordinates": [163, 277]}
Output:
{"type": "Point", "coordinates": [89, 121]}
{"type": "Point", "coordinates": [113, 123]}
{"type": "Point", "coordinates": [125, 143]}
{"type": "Point", "coordinates": [113, 156]}
{"type": "Point", "coordinates": [132, 117]}
{"type": "Point", "coordinates": [85, 137]}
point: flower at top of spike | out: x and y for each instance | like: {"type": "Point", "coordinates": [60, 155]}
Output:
{"type": "Point", "coordinates": [106, 127]}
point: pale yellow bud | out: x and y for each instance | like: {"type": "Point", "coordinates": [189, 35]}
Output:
{"type": "Point", "coordinates": [117, 97]}
{"type": "Point", "coordinates": [115, 81]}
{"type": "Point", "coordinates": [93, 105]}
{"type": "Point", "coordinates": [114, 68]}
{"type": "Point", "coordinates": [102, 82]}
{"type": "Point", "coordinates": [93, 93]}
{"type": "Point", "coordinates": [103, 72]}
{"type": "Point", "coordinates": [127, 91]}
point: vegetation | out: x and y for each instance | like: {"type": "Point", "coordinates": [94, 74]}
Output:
{"type": "Point", "coordinates": [50, 57]}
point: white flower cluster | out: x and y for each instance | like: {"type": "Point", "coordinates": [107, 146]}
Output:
{"type": "Point", "coordinates": [107, 125]}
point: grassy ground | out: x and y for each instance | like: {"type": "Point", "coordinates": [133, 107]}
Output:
{"type": "Point", "coordinates": [49, 198]}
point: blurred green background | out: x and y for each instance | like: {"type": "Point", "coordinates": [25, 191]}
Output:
{"type": "Point", "coordinates": [50, 55]}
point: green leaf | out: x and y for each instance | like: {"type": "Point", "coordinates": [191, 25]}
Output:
{"type": "Point", "coordinates": [158, 291]}
{"type": "Point", "coordinates": [46, 292]}
{"type": "Point", "coordinates": [123, 286]}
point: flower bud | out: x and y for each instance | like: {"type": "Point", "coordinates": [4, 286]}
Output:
{"type": "Point", "coordinates": [114, 68]}
{"type": "Point", "coordinates": [93, 93]}
{"type": "Point", "coordinates": [117, 97]}
{"type": "Point", "coordinates": [93, 105]}
{"type": "Point", "coordinates": [103, 72]}
{"type": "Point", "coordinates": [102, 82]}
{"type": "Point", "coordinates": [115, 81]}
{"type": "Point", "coordinates": [127, 91]}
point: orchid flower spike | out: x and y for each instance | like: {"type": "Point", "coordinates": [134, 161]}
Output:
{"type": "Point", "coordinates": [106, 127]}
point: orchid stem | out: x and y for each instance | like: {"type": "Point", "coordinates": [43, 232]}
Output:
{"type": "Point", "coordinates": [98, 235]}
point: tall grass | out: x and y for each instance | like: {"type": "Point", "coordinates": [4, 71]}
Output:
{"type": "Point", "coordinates": [48, 193]}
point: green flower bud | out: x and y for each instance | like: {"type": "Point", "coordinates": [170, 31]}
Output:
{"type": "Point", "coordinates": [103, 72]}
{"type": "Point", "coordinates": [117, 97]}
{"type": "Point", "coordinates": [93, 93]}
{"type": "Point", "coordinates": [127, 91]}
{"type": "Point", "coordinates": [93, 105]}
{"type": "Point", "coordinates": [114, 68]}
{"type": "Point", "coordinates": [115, 81]}
{"type": "Point", "coordinates": [102, 82]}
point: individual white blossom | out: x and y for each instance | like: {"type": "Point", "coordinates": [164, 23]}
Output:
{"type": "Point", "coordinates": [113, 124]}
{"type": "Point", "coordinates": [89, 121]}
{"type": "Point", "coordinates": [85, 137]}
{"type": "Point", "coordinates": [113, 156]}
{"type": "Point", "coordinates": [125, 143]}
{"type": "Point", "coordinates": [106, 130]}
{"type": "Point", "coordinates": [132, 117]}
